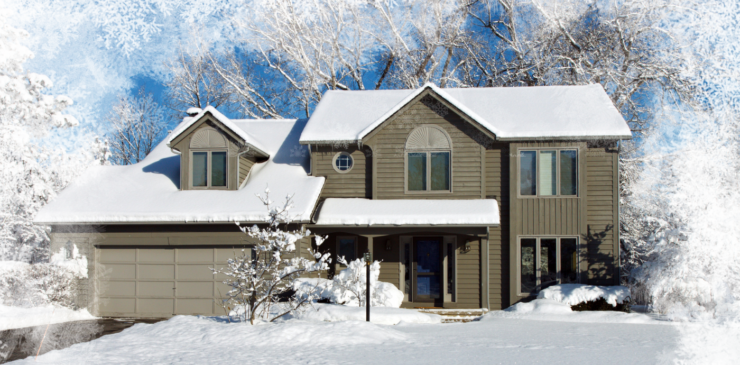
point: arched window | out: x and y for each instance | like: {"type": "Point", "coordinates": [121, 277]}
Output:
{"type": "Point", "coordinates": [208, 159]}
{"type": "Point", "coordinates": [428, 156]}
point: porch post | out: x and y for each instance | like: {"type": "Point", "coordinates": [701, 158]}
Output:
{"type": "Point", "coordinates": [484, 273]}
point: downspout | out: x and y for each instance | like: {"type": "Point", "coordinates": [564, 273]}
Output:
{"type": "Point", "coordinates": [618, 229]}
{"type": "Point", "coordinates": [310, 161]}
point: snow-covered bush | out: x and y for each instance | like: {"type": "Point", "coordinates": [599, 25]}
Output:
{"type": "Point", "coordinates": [35, 285]}
{"type": "Point", "coordinates": [348, 287]}
{"type": "Point", "coordinates": [261, 280]}
{"type": "Point", "coordinates": [588, 297]}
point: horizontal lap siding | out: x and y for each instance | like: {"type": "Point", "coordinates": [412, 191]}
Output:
{"type": "Point", "coordinates": [353, 184]}
{"type": "Point", "coordinates": [602, 238]}
{"type": "Point", "coordinates": [468, 275]}
{"type": "Point", "coordinates": [389, 149]}
{"type": "Point", "coordinates": [497, 187]}
{"type": "Point", "coordinates": [245, 164]}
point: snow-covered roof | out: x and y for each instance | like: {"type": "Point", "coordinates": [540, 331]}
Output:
{"type": "Point", "coordinates": [409, 212]}
{"type": "Point", "coordinates": [228, 123]}
{"type": "Point", "coordinates": [556, 112]}
{"type": "Point", "coordinates": [148, 192]}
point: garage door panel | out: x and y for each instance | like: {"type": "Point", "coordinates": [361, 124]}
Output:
{"type": "Point", "coordinates": [118, 288]}
{"type": "Point", "coordinates": [194, 255]}
{"type": "Point", "coordinates": [157, 255]}
{"type": "Point", "coordinates": [194, 289]}
{"type": "Point", "coordinates": [194, 272]}
{"type": "Point", "coordinates": [117, 305]}
{"type": "Point", "coordinates": [195, 306]}
{"type": "Point", "coordinates": [156, 288]}
{"type": "Point", "coordinates": [224, 254]}
{"type": "Point", "coordinates": [148, 305]}
{"type": "Point", "coordinates": [117, 271]}
{"type": "Point", "coordinates": [117, 255]}
{"type": "Point", "coordinates": [152, 271]}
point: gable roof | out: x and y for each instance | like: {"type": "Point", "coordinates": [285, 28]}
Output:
{"type": "Point", "coordinates": [227, 123]}
{"type": "Point", "coordinates": [148, 192]}
{"type": "Point", "coordinates": [510, 113]}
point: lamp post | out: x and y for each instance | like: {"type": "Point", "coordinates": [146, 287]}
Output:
{"type": "Point", "coordinates": [368, 261]}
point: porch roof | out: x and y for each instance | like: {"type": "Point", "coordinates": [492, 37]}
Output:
{"type": "Point", "coordinates": [407, 212]}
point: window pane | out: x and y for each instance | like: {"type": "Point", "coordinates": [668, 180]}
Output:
{"type": "Point", "coordinates": [568, 172]}
{"type": "Point", "coordinates": [417, 171]}
{"type": "Point", "coordinates": [344, 162]}
{"type": "Point", "coordinates": [218, 170]}
{"type": "Point", "coordinates": [451, 271]}
{"type": "Point", "coordinates": [527, 175]}
{"type": "Point", "coordinates": [548, 263]}
{"type": "Point", "coordinates": [200, 168]}
{"type": "Point", "coordinates": [440, 171]}
{"type": "Point", "coordinates": [568, 260]}
{"type": "Point", "coordinates": [528, 275]}
{"type": "Point", "coordinates": [347, 248]}
{"type": "Point", "coordinates": [547, 173]}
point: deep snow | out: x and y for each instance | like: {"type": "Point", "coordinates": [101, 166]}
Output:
{"type": "Point", "coordinates": [497, 340]}
{"type": "Point", "coordinates": [17, 317]}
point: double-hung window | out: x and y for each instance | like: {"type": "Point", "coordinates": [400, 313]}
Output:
{"type": "Point", "coordinates": [209, 169]}
{"type": "Point", "coordinates": [548, 172]}
{"type": "Point", "coordinates": [428, 171]}
{"type": "Point", "coordinates": [545, 261]}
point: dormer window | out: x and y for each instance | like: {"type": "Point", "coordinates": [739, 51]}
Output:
{"type": "Point", "coordinates": [209, 159]}
{"type": "Point", "coordinates": [428, 160]}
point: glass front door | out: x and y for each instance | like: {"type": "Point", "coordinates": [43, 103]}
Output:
{"type": "Point", "coordinates": [428, 269]}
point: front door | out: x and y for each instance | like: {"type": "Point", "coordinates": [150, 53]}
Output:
{"type": "Point", "coordinates": [428, 270]}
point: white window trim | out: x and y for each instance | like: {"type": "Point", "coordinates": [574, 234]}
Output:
{"type": "Point", "coordinates": [537, 171]}
{"type": "Point", "coordinates": [334, 162]}
{"type": "Point", "coordinates": [579, 248]}
{"type": "Point", "coordinates": [209, 167]}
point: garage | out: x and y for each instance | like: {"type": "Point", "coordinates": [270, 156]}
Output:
{"type": "Point", "coordinates": [160, 281]}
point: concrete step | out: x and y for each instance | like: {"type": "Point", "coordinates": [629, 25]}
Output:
{"type": "Point", "coordinates": [455, 315]}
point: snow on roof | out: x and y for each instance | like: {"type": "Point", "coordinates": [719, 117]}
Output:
{"type": "Point", "coordinates": [410, 212]}
{"type": "Point", "coordinates": [228, 123]}
{"type": "Point", "coordinates": [508, 112]}
{"type": "Point", "coordinates": [149, 190]}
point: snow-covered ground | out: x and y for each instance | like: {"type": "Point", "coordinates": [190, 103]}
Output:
{"type": "Point", "coordinates": [497, 339]}
{"type": "Point", "coordinates": [17, 317]}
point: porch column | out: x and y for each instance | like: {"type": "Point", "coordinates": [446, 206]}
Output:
{"type": "Point", "coordinates": [485, 272]}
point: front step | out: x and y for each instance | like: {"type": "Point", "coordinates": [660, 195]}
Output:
{"type": "Point", "coordinates": [455, 315]}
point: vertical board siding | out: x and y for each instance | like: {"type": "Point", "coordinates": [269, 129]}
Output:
{"type": "Point", "coordinates": [602, 220]}
{"type": "Point", "coordinates": [354, 184]}
{"type": "Point", "coordinates": [468, 275]}
{"type": "Point", "coordinates": [389, 150]}
{"type": "Point", "coordinates": [497, 187]}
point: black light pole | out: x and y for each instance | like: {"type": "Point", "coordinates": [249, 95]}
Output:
{"type": "Point", "coordinates": [368, 260]}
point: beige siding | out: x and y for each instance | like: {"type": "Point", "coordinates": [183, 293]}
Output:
{"type": "Point", "coordinates": [497, 187]}
{"type": "Point", "coordinates": [388, 149]}
{"type": "Point", "coordinates": [468, 276]}
{"type": "Point", "coordinates": [602, 220]}
{"type": "Point", "coordinates": [353, 184]}
{"type": "Point", "coordinates": [245, 164]}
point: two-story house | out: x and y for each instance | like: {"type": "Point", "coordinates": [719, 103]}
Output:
{"type": "Point", "coordinates": [472, 198]}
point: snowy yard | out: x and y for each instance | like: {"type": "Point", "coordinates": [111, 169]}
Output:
{"type": "Point", "coordinates": [499, 338]}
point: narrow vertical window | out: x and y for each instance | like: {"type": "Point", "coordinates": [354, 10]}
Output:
{"type": "Point", "coordinates": [568, 172]}
{"type": "Point", "coordinates": [528, 273]}
{"type": "Point", "coordinates": [407, 267]}
{"type": "Point", "coordinates": [528, 172]}
{"type": "Point", "coordinates": [440, 171]}
{"type": "Point", "coordinates": [548, 170]}
{"type": "Point", "coordinates": [417, 171]}
{"type": "Point", "coordinates": [548, 262]}
{"type": "Point", "coordinates": [218, 169]}
{"type": "Point", "coordinates": [568, 260]}
{"type": "Point", "coordinates": [347, 249]}
{"type": "Point", "coordinates": [200, 168]}
{"type": "Point", "coordinates": [451, 271]}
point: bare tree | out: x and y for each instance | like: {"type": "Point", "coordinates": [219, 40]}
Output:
{"type": "Point", "coordinates": [137, 125]}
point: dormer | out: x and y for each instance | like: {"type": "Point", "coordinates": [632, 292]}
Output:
{"type": "Point", "coordinates": [215, 154]}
